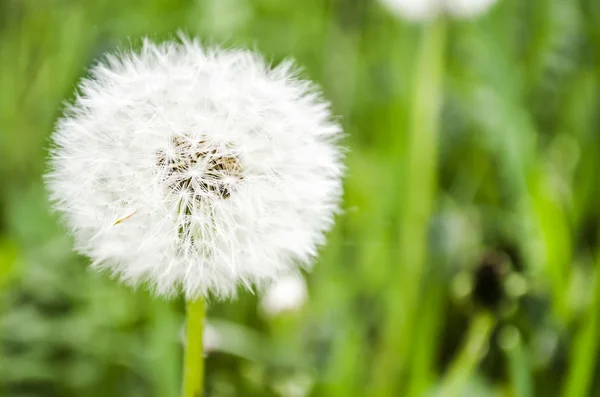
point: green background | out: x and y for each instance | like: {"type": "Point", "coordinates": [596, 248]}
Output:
{"type": "Point", "coordinates": [509, 298]}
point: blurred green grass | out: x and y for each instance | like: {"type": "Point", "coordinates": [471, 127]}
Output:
{"type": "Point", "coordinates": [509, 298]}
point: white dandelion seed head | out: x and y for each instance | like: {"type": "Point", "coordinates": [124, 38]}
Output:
{"type": "Point", "coordinates": [464, 9]}
{"type": "Point", "coordinates": [415, 10]}
{"type": "Point", "coordinates": [425, 10]}
{"type": "Point", "coordinates": [287, 294]}
{"type": "Point", "coordinates": [195, 169]}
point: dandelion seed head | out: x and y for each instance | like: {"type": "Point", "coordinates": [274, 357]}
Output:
{"type": "Point", "coordinates": [196, 169]}
{"type": "Point", "coordinates": [424, 10]}
{"type": "Point", "coordinates": [464, 9]}
{"type": "Point", "coordinates": [415, 10]}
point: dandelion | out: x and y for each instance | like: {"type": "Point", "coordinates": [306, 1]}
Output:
{"type": "Point", "coordinates": [424, 10]}
{"type": "Point", "coordinates": [196, 170]}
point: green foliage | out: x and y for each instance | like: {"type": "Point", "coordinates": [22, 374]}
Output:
{"type": "Point", "coordinates": [504, 302]}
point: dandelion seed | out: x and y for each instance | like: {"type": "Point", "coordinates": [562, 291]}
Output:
{"type": "Point", "coordinates": [124, 218]}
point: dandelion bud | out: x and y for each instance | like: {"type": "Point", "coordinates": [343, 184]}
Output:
{"type": "Point", "coordinates": [196, 169]}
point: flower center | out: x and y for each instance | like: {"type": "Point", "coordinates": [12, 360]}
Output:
{"type": "Point", "coordinates": [198, 168]}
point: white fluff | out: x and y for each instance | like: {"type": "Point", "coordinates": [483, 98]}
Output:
{"type": "Point", "coordinates": [287, 294]}
{"type": "Point", "coordinates": [424, 10]}
{"type": "Point", "coordinates": [196, 169]}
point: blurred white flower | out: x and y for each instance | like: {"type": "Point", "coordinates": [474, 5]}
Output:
{"type": "Point", "coordinates": [212, 340]}
{"type": "Point", "coordinates": [415, 10]}
{"type": "Point", "coordinates": [196, 169]}
{"type": "Point", "coordinates": [287, 294]}
{"type": "Point", "coordinates": [467, 8]}
{"type": "Point", "coordinates": [423, 10]}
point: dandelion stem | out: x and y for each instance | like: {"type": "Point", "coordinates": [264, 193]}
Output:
{"type": "Point", "coordinates": [580, 375]}
{"type": "Point", "coordinates": [469, 356]}
{"type": "Point", "coordinates": [421, 163]}
{"type": "Point", "coordinates": [193, 365]}
{"type": "Point", "coordinates": [420, 182]}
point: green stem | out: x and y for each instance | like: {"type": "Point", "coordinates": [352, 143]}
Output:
{"type": "Point", "coordinates": [419, 190]}
{"type": "Point", "coordinates": [193, 366]}
{"type": "Point", "coordinates": [519, 370]}
{"type": "Point", "coordinates": [580, 375]}
{"type": "Point", "coordinates": [422, 162]}
{"type": "Point", "coordinates": [469, 356]}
